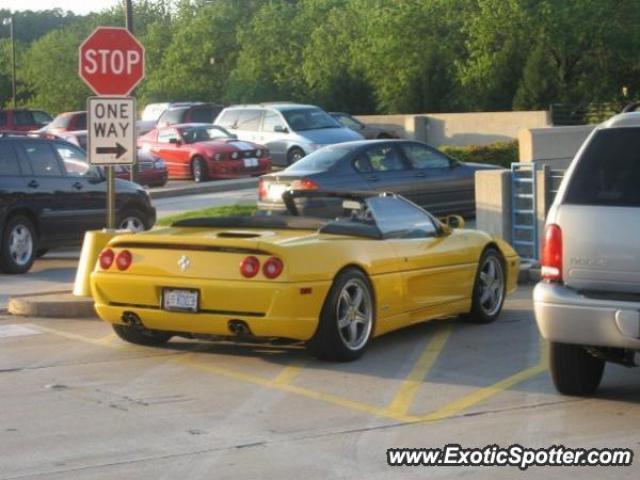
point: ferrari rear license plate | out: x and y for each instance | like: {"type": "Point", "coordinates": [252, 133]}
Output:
{"type": "Point", "coordinates": [174, 299]}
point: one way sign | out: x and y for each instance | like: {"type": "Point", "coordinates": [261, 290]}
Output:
{"type": "Point", "coordinates": [112, 130]}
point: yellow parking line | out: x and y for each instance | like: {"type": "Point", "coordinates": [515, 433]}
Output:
{"type": "Point", "coordinates": [103, 342]}
{"type": "Point", "coordinates": [290, 372]}
{"type": "Point", "coordinates": [403, 400]}
{"type": "Point", "coordinates": [482, 394]}
{"type": "Point", "coordinates": [188, 360]}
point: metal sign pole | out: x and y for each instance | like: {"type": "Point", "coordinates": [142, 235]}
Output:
{"type": "Point", "coordinates": [111, 199]}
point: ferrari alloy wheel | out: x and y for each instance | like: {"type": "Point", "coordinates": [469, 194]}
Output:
{"type": "Point", "coordinates": [489, 289]}
{"type": "Point", "coordinates": [347, 318]}
{"type": "Point", "coordinates": [354, 314]}
{"type": "Point", "coordinates": [19, 245]}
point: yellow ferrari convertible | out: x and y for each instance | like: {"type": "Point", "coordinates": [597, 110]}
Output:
{"type": "Point", "coordinates": [379, 263]}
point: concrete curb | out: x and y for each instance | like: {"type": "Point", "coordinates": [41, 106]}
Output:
{"type": "Point", "coordinates": [49, 305]}
{"type": "Point", "coordinates": [207, 187]}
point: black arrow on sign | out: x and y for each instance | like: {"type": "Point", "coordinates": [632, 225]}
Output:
{"type": "Point", "coordinates": [119, 150]}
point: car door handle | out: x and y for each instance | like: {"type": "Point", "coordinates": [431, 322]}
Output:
{"type": "Point", "coordinates": [373, 178]}
{"type": "Point", "coordinates": [77, 186]}
{"type": "Point", "coordinates": [33, 184]}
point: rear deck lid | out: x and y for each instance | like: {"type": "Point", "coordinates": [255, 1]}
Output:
{"type": "Point", "coordinates": [600, 214]}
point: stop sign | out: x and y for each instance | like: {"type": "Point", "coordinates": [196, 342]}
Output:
{"type": "Point", "coordinates": [111, 61]}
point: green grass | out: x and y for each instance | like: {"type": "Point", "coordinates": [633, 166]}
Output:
{"type": "Point", "coordinates": [226, 211]}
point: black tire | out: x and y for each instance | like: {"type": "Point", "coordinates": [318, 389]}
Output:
{"type": "Point", "coordinates": [16, 258]}
{"type": "Point", "coordinates": [294, 155]}
{"type": "Point", "coordinates": [574, 371]}
{"type": "Point", "coordinates": [480, 313]}
{"type": "Point", "coordinates": [42, 252]}
{"type": "Point", "coordinates": [383, 136]}
{"type": "Point", "coordinates": [141, 336]}
{"type": "Point", "coordinates": [199, 170]}
{"type": "Point", "coordinates": [328, 343]}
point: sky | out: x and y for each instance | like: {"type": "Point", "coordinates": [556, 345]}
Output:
{"type": "Point", "coordinates": [77, 6]}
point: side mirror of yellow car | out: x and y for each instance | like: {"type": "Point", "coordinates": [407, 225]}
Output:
{"type": "Point", "coordinates": [450, 222]}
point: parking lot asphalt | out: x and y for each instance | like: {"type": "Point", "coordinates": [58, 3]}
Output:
{"type": "Point", "coordinates": [79, 403]}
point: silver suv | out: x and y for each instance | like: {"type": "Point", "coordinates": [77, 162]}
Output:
{"type": "Point", "coordinates": [289, 130]}
{"type": "Point", "coordinates": [588, 302]}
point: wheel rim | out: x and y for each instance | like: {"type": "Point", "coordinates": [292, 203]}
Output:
{"type": "Point", "coordinates": [133, 224]}
{"type": "Point", "coordinates": [197, 171]}
{"type": "Point", "coordinates": [295, 156]}
{"type": "Point", "coordinates": [355, 314]}
{"type": "Point", "coordinates": [20, 245]}
{"type": "Point", "coordinates": [491, 286]}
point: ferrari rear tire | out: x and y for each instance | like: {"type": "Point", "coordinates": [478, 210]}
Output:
{"type": "Point", "coordinates": [347, 319]}
{"type": "Point", "coordinates": [489, 289]}
{"type": "Point", "coordinates": [141, 336]}
{"type": "Point", "coordinates": [199, 170]}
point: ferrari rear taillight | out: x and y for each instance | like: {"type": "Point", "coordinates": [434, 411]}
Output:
{"type": "Point", "coordinates": [249, 267]}
{"type": "Point", "coordinates": [304, 184]}
{"type": "Point", "coordinates": [262, 189]}
{"type": "Point", "coordinates": [272, 268]}
{"type": "Point", "coordinates": [123, 260]}
{"type": "Point", "coordinates": [552, 254]}
{"type": "Point", "coordinates": [106, 259]}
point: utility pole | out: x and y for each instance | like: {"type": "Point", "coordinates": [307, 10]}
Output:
{"type": "Point", "coordinates": [10, 21]}
{"type": "Point", "coordinates": [128, 11]}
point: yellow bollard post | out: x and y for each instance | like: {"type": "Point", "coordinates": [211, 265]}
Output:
{"type": "Point", "coordinates": [94, 242]}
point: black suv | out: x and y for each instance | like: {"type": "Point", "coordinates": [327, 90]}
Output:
{"type": "Point", "coordinates": [50, 196]}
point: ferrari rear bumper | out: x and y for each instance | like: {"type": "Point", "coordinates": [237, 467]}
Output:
{"type": "Point", "coordinates": [270, 309]}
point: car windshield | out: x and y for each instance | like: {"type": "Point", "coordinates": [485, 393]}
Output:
{"type": "Point", "coordinates": [61, 121]}
{"type": "Point", "coordinates": [320, 160]}
{"type": "Point", "coordinates": [300, 119]}
{"type": "Point", "coordinates": [203, 134]}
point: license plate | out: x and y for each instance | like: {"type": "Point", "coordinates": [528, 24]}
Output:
{"type": "Point", "coordinates": [276, 190]}
{"type": "Point", "coordinates": [250, 162]}
{"type": "Point", "coordinates": [180, 300]}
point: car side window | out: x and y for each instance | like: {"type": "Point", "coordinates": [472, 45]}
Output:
{"type": "Point", "coordinates": [42, 158]}
{"type": "Point", "coordinates": [271, 121]}
{"type": "Point", "coordinates": [228, 119]}
{"type": "Point", "coordinates": [201, 115]}
{"type": "Point", "coordinates": [422, 157]}
{"type": "Point", "coordinates": [73, 160]}
{"type": "Point", "coordinates": [22, 117]}
{"type": "Point", "coordinates": [249, 120]}
{"type": "Point", "coordinates": [81, 122]}
{"type": "Point", "coordinates": [397, 218]}
{"type": "Point", "coordinates": [165, 136]}
{"type": "Point", "coordinates": [42, 118]}
{"type": "Point", "coordinates": [382, 158]}
{"type": "Point", "coordinates": [8, 160]}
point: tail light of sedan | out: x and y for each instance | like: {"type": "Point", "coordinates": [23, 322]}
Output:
{"type": "Point", "coordinates": [304, 184]}
{"type": "Point", "coordinates": [552, 254]}
{"type": "Point", "coordinates": [262, 189]}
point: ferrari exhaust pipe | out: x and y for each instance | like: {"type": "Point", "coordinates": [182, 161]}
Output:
{"type": "Point", "coordinates": [239, 328]}
{"type": "Point", "coordinates": [131, 319]}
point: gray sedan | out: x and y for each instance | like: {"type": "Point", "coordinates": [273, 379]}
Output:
{"type": "Point", "coordinates": [412, 169]}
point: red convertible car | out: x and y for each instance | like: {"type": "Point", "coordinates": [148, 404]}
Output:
{"type": "Point", "coordinates": [203, 151]}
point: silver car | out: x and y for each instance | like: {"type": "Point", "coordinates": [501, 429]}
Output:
{"type": "Point", "coordinates": [588, 303]}
{"type": "Point", "coordinates": [289, 130]}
